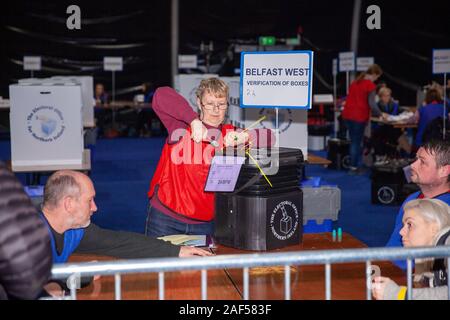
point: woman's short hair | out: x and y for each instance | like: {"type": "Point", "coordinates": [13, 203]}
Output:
{"type": "Point", "coordinates": [214, 86]}
{"type": "Point", "coordinates": [431, 210]}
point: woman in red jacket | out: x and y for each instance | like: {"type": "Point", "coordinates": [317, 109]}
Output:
{"type": "Point", "coordinates": [356, 113]}
{"type": "Point", "coordinates": [178, 203]}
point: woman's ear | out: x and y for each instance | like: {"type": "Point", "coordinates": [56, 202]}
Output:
{"type": "Point", "coordinates": [434, 228]}
{"type": "Point", "coordinates": [199, 106]}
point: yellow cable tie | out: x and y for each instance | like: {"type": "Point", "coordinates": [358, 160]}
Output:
{"type": "Point", "coordinates": [257, 165]}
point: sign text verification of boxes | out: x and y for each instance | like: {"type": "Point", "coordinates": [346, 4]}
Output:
{"type": "Point", "coordinates": [321, 203]}
{"type": "Point", "coordinates": [46, 125]}
{"type": "Point", "coordinates": [276, 79]}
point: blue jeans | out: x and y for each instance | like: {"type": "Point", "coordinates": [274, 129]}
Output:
{"type": "Point", "coordinates": [159, 224]}
{"type": "Point", "coordinates": [356, 133]}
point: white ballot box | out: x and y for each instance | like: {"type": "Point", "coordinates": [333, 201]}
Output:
{"type": "Point", "coordinates": [87, 93]}
{"type": "Point", "coordinates": [46, 124]}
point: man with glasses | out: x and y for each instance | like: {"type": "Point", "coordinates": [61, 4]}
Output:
{"type": "Point", "coordinates": [178, 203]}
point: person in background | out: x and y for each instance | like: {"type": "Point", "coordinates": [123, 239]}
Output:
{"type": "Point", "coordinates": [386, 103]}
{"type": "Point", "coordinates": [178, 203]}
{"type": "Point", "coordinates": [433, 108]}
{"type": "Point", "coordinates": [100, 113]}
{"type": "Point", "coordinates": [25, 252]}
{"type": "Point", "coordinates": [431, 172]}
{"type": "Point", "coordinates": [146, 115]}
{"type": "Point", "coordinates": [426, 222]}
{"type": "Point", "coordinates": [359, 103]}
{"type": "Point", "coordinates": [385, 138]}
{"type": "Point", "coordinates": [100, 96]}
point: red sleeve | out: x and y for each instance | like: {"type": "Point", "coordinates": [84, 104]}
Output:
{"type": "Point", "coordinates": [172, 109]}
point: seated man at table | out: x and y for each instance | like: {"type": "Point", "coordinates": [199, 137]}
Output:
{"type": "Point", "coordinates": [386, 139]}
{"type": "Point", "coordinates": [431, 172]}
{"type": "Point", "coordinates": [67, 209]}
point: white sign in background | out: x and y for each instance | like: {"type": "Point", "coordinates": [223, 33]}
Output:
{"type": "Point", "coordinates": [363, 63]}
{"type": "Point", "coordinates": [187, 61]}
{"type": "Point", "coordinates": [276, 79]}
{"type": "Point", "coordinates": [32, 63]}
{"type": "Point", "coordinates": [441, 61]}
{"type": "Point", "coordinates": [346, 61]}
{"type": "Point", "coordinates": [113, 63]}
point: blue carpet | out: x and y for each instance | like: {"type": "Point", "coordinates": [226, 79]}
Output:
{"type": "Point", "coordinates": [122, 170]}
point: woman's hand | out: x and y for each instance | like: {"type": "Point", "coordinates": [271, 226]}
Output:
{"type": "Point", "coordinates": [379, 285]}
{"type": "Point", "coordinates": [54, 290]}
{"type": "Point", "coordinates": [235, 138]}
{"type": "Point", "coordinates": [199, 131]}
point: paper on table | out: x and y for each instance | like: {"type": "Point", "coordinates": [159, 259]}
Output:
{"type": "Point", "coordinates": [186, 240]}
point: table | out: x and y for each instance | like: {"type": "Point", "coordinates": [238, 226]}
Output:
{"type": "Point", "coordinates": [307, 282]}
{"type": "Point", "coordinates": [398, 124]}
{"type": "Point", "coordinates": [36, 170]}
{"type": "Point", "coordinates": [313, 159]}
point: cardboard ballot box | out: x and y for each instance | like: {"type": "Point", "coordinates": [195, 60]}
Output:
{"type": "Point", "coordinates": [87, 92]}
{"type": "Point", "coordinates": [46, 124]}
{"type": "Point", "coordinates": [257, 216]}
{"type": "Point", "coordinates": [87, 96]}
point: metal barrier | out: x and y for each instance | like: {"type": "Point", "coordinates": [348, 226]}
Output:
{"type": "Point", "coordinates": [75, 270]}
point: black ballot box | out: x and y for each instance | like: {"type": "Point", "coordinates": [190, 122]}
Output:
{"type": "Point", "coordinates": [338, 152]}
{"type": "Point", "coordinates": [257, 216]}
{"type": "Point", "coordinates": [389, 185]}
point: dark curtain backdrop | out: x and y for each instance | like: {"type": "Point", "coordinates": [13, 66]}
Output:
{"type": "Point", "coordinates": [140, 32]}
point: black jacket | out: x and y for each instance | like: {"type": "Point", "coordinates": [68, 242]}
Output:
{"type": "Point", "coordinates": [25, 253]}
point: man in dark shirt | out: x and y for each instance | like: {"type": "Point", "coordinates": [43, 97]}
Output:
{"type": "Point", "coordinates": [67, 209]}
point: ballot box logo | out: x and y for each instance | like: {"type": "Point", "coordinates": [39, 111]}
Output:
{"type": "Point", "coordinates": [46, 123]}
{"type": "Point", "coordinates": [284, 220]}
{"type": "Point", "coordinates": [285, 119]}
{"type": "Point", "coordinates": [386, 195]}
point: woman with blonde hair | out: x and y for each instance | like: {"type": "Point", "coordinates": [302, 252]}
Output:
{"type": "Point", "coordinates": [426, 222]}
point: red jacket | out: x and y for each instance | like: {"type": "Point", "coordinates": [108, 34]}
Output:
{"type": "Point", "coordinates": [181, 176]}
{"type": "Point", "coordinates": [357, 104]}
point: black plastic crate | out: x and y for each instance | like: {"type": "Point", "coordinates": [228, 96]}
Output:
{"type": "Point", "coordinates": [339, 154]}
{"type": "Point", "coordinates": [257, 216]}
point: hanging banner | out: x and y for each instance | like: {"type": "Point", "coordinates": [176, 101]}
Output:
{"type": "Point", "coordinates": [276, 79]}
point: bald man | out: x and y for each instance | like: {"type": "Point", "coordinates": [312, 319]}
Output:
{"type": "Point", "coordinates": [67, 209]}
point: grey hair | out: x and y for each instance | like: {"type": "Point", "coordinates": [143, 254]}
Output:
{"type": "Point", "coordinates": [431, 210]}
{"type": "Point", "coordinates": [59, 185]}
{"type": "Point", "coordinates": [215, 86]}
